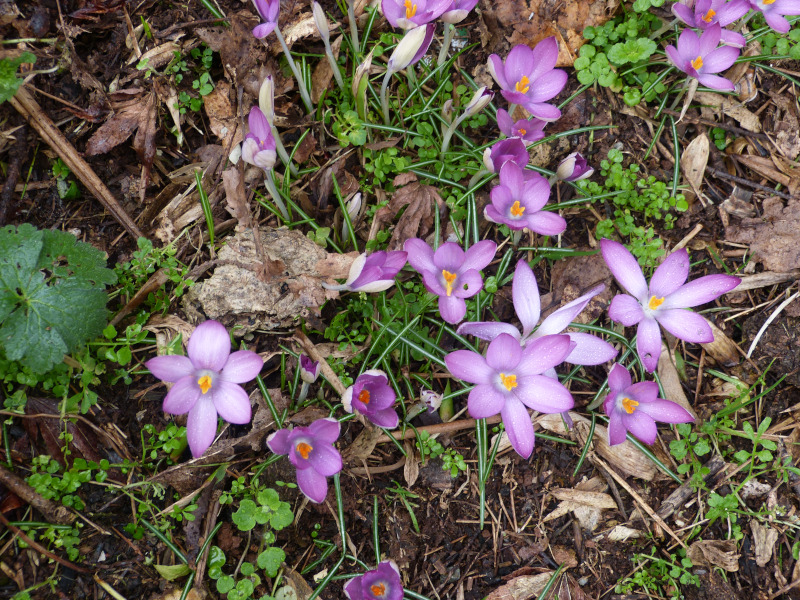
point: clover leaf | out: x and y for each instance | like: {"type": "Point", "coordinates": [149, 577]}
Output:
{"type": "Point", "coordinates": [631, 51]}
{"type": "Point", "coordinates": [270, 560]}
{"type": "Point", "coordinates": [9, 82]}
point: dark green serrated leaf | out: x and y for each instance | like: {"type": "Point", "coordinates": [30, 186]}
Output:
{"type": "Point", "coordinates": [9, 82]}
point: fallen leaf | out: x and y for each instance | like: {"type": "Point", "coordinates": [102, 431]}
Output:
{"type": "Point", "coordinates": [221, 115]}
{"type": "Point", "coordinates": [620, 533]}
{"type": "Point", "coordinates": [723, 349]}
{"type": "Point", "coordinates": [764, 538]}
{"type": "Point", "coordinates": [323, 73]}
{"type": "Point", "coordinates": [417, 220]}
{"type": "Point", "coordinates": [411, 468]}
{"type": "Point", "coordinates": [763, 166]}
{"type": "Point", "coordinates": [578, 496]}
{"type": "Point", "coordinates": [236, 198]}
{"type": "Point", "coordinates": [774, 237]}
{"type": "Point", "coordinates": [712, 104]}
{"type": "Point", "coordinates": [694, 160]}
{"type": "Point", "coordinates": [522, 587]}
{"type": "Point", "coordinates": [565, 556]}
{"type": "Point", "coordinates": [668, 374]}
{"type": "Point", "coordinates": [586, 501]}
{"type": "Point", "coordinates": [715, 553]}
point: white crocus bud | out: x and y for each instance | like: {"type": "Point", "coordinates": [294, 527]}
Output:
{"type": "Point", "coordinates": [431, 399]}
{"type": "Point", "coordinates": [362, 71]}
{"type": "Point", "coordinates": [406, 49]}
{"type": "Point", "coordinates": [447, 110]}
{"type": "Point", "coordinates": [266, 99]}
{"type": "Point", "coordinates": [321, 21]}
{"type": "Point", "coordinates": [353, 210]}
{"type": "Point", "coordinates": [479, 101]}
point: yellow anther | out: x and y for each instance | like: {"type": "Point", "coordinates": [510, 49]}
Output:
{"type": "Point", "coordinates": [697, 63]}
{"type": "Point", "coordinates": [411, 9]}
{"type": "Point", "coordinates": [509, 381]}
{"type": "Point", "coordinates": [449, 279]}
{"type": "Point", "coordinates": [363, 396]}
{"type": "Point", "coordinates": [304, 449]}
{"type": "Point", "coordinates": [523, 85]}
{"type": "Point", "coordinates": [629, 405]}
{"type": "Point", "coordinates": [522, 132]}
{"type": "Point", "coordinates": [710, 15]}
{"type": "Point", "coordinates": [655, 303]}
{"type": "Point", "coordinates": [517, 210]}
{"type": "Point", "coordinates": [768, 2]}
{"type": "Point", "coordinates": [378, 590]}
{"type": "Point", "coordinates": [205, 383]}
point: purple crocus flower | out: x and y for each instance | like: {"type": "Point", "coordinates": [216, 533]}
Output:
{"type": "Point", "coordinates": [510, 380]}
{"type": "Point", "coordinates": [637, 407]}
{"type": "Point", "coordinates": [458, 11]}
{"type": "Point", "coordinates": [588, 349]}
{"type": "Point", "coordinates": [451, 273]}
{"type": "Point", "coordinates": [373, 397]}
{"type": "Point", "coordinates": [528, 130]}
{"type": "Point", "coordinates": [373, 273]}
{"type": "Point", "coordinates": [408, 14]}
{"type": "Point", "coordinates": [206, 383]}
{"type": "Point", "coordinates": [511, 149]}
{"type": "Point", "coordinates": [529, 77]}
{"type": "Point", "coordinates": [312, 452]}
{"type": "Point", "coordinates": [663, 302]}
{"type": "Point", "coordinates": [518, 201]}
{"type": "Point", "coordinates": [705, 13]}
{"type": "Point", "coordinates": [309, 369]}
{"type": "Point", "coordinates": [268, 9]}
{"type": "Point", "coordinates": [259, 146]}
{"type": "Point", "coordinates": [381, 584]}
{"type": "Point", "coordinates": [774, 11]}
{"type": "Point", "coordinates": [573, 168]}
{"type": "Point", "coordinates": [699, 57]}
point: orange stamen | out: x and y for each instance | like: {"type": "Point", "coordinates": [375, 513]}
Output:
{"type": "Point", "coordinates": [710, 15]}
{"type": "Point", "coordinates": [450, 279]}
{"type": "Point", "coordinates": [697, 63]}
{"type": "Point", "coordinates": [378, 590]}
{"type": "Point", "coordinates": [509, 381]}
{"type": "Point", "coordinates": [205, 383]}
{"type": "Point", "coordinates": [522, 132]}
{"type": "Point", "coordinates": [768, 2]}
{"type": "Point", "coordinates": [523, 85]}
{"type": "Point", "coordinates": [629, 405]}
{"type": "Point", "coordinates": [517, 210]}
{"type": "Point", "coordinates": [655, 303]}
{"type": "Point", "coordinates": [363, 396]}
{"type": "Point", "coordinates": [411, 9]}
{"type": "Point", "coordinates": [304, 449]}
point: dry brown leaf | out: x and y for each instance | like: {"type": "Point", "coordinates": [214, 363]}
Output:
{"type": "Point", "coordinates": [668, 374]}
{"type": "Point", "coordinates": [694, 160]}
{"type": "Point", "coordinates": [522, 587]}
{"type": "Point", "coordinates": [774, 237]}
{"type": "Point", "coordinates": [715, 553]}
{"type": "Point", "coordinates": [156, 57]}
{"type": "Point", "coordinates": [586, 502]}
{"type": "Point", "coordinates": [235, 197]}
{"type": "Point", "coordinates": [713, 103]}
{"type": "Point", "coordinates": [302, 28]}
{"type": "Point", "coordinates": [764, 538]}
{"type": "Point", "coordinates": [790, 169]}
{"type": "Point", "coordinates": [323, 73]}
{"type": "Point", "coordinates": [411, 468]}
{"type": "Point", "coordinates": [723, 349]}
{"type": "Point", "coordinates": [417, 220]}
{"type": "Point", "coordinates": [763, 166]}
{"type": "Point", "coordinates": [620, 533]}
{"type": "Point", "coordinates": [129, 113]}
{"type": "Point", "coordinates": [565, 556]}
{"type": "Point", "coordinates": [221, 115]}
{"type": "Point", "coordinates": [362, 447]}
{"type": "Point", "coordinates": [593, 499]}
{"type": "Point", "coordinates": [194, 594]}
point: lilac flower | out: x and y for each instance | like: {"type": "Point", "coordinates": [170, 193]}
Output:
{"type": "Point", "coordinates": [309, 369]}
{"type": "Point", "coordinates": [451, 273]}
{"type": "Point", "coordinates": [699, 57]}
{"type": "Point", "coordinates": [259, 146]}
{"type": "Point", "coordinates": [528, 130]}
{"type": "Point", "coordinates": [458, 11]}
{"type": "Point", "coordinates": [573, 168]}
{"type": "Point", "coordinates": [499, 153]}
{"type": "Point", "coordinates": [408, 14]}
{"type": "Point", "coordinates": [206, 383]}
{"type": "Point", "coordinates": [774, 11]}
{"type": "Point", "coordinates": [528, 77]}
{"type": "Point", "coordinates": [411, 48]}
{"type": "Point", "coordinates": [373, 273]}
{"type": "Point", "coordinates": [510, 380]}
{"type": "Point", "coordinates": [706, 13]}
{"type": "Point", "coordinates": [432, 400]}
{"type": "Point", "coordinates": [373, 397]}
{"type": "Point", "coordinates": [588, 349]}
{"type": "Point", "coordinates": [312, 452]}
{"type": "Point", "coordinates": [268, 9]}
{"type": "Point", "coordinates": [381, 584]}
{"type": "Point", "coordinates": [518, 201]}
{"type": "Point", "coordinates": [637, 407]}
{"type": "Point", "coordinates": [663, 302]}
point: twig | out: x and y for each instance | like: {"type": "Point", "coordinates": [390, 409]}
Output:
{"type": "Point", "coordinates": [18, 153]}
{"type": "Point", "coordinates": [771, 318]}
{"type": "Point", "coordinates": [675, 499]}
{"type": "Point", "coordinates": [438, 428]}
{"type": "Point", "coordinates": [40, 549]}
{"type": "Point", "coordinates": [51, 511]}
{"type": "Point", "coordinates": [746, 182]}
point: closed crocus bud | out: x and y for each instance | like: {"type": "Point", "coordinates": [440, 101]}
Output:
{"type": "Point", "coordinates": [479, 101]}
{"type": "Point", "coordinates": [309, 369]}
{"type": "Point", "coordinates": [321, 21]}
{"type": "Point", "coordinates": [353, 210]}
{"type": "Point", "coordinates": [431, 399]}
{"type": "Point", "coordinates": [411, 48]}
{"type": "Point", "coordinates": [362, 71]}
{"type": "Point", "coordinates": [266, 99]}
{"type": "Point", "coordinates": [447, 110]}
{"type": "Point", "coordinates": [573, 168]}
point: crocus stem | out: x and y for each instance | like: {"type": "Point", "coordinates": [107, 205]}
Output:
{"type": "Point", "coordinates": [449, 29]}
{"type": "Point", "coordinates": [303, 393]}
{"type": "Point", "coordinates": [300, 84]}
{"type": "Point", "coordinates": [449, 133]}
{"type": "Point", "coordinates": [664, 28]}
{"type": "Point", "coordinates": [337, 74]}
{"type": "Point", "coordinates": [511, 109]}
{"type": "Point", "coordinates": [414, 411]}
{"type": "Point", "coordinates": [477, 177]}
{"type": "Point", "coordinates": [516, 237]}
{"type": "Point", "coordinates": [269, 182]}
{"type": "Point", "coordinates": [281, 150]}
{"type": "Point", "coordinates": [351, 16]}
{"type": "Point", "coordinates": [385, 96]}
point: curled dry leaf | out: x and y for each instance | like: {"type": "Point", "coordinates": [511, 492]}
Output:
{"type": "Point", "coordinates": [715, 553]}
{"type": "Point", "coordinates": [694, 160]}
{"type": "Point", "coordinates": [723, 349]}
{"type": "Point", "coordinates": [221, 115]}
{"type": "Point", "coordinates": [620, 533]}
{"type": "Point", "coordinates": [713, 104]}
{"type": "Point", "coordinates": [774, 237]}
{"type": "Point", "coordinates": [522, 587]}
{"type": "Point", "coordinates": [586, 501]}
{"type": "Point", "coordinates": [417, 220]}
{"type": "Point", "coordinates": [236, 198]}
{"type": "Point", "coordinates": [668, 374]}
{"type": "Point", "coordinates": [764, 538]}
{"type": "Point", "coordinates": [411, 468]}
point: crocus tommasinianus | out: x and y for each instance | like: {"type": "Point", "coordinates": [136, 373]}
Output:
{"type": "Point", "coordinates": [206, 383]}
{"type": "Point", "coordinates": [528, 130]}
{"type": "Point", "coordinates": [309, 369]}
{"type": "Point", "coordinates": [637, 407]}
{"type": "Point", "coordinates": [588, 350]}
{"type": "Point", "coordinates": [518, 201]}
{"type": "Point", "coordinates": [373, 397]}
{"type": "Point", "coordinates": [706, 13]}
{"type": "Point", "coordinates": [373, 273]}
{"type": "Point", "coordinates": [499, 153]}
{"type": "Point", "coordinates": [458, 10]}
{"type": "Point", "coordinates": [573, 168]}
{"type": "Point", "coordinates": [529, 77]}
{"type": "Point", "coordinates": [312, 452]}
{"type": "Point", "coordinates": [268, 9]}
{"type": "Point", "coordinates": [451, 273]}
{"type": "Point", "coordinates": [510, 379]}
{"type": "Point", "coordinates": [381, 584]}
{"type": "Point", "coordinates": [663, 302]}
{"type": "Point", "coordinates": [408, 14]}
{"type": "Point", "coordinates": [259, 146]}
{"type": "Point", "coordinates": [774, 11]}
{"type": "Point", "coordinates": [699, 57]}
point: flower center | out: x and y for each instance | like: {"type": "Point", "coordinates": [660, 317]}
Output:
{"type": "Point", "coordinates": [629, 405]}
{"type": "Point", "coordinates": [517, 210]}
{"type": "Point", "coordinates": [411, 9]}
{"type": "Point", "coordinates": [655, 303]}
{"type": "Point", "coordinates": [522, 131]}
{"type": "Point", "coordinates": [378, 590]}
{"type": "Point", "coordinates": [304, 449]}
{"type": "Point", "coordinates": [205, 383]}
{"type": "Point", "coordinates": [710, 15]}
{"type": "Point", "coordinates": [523, 85]}
{"type": "Point", "coordinates": [509, 381]}
{"type": "Point", "coordinates": [697, 63]}
{"type": "Point", "coordinates": [450, 279]}
{"type": "Point", "coordinates": [363, 396]}
{"type": "Point", "coordinates": [768, 2]}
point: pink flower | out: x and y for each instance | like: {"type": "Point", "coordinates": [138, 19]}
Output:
{"type": "Point", "coordinates": [499, 153]}
{"type": "Point", "coordinates": [382, 583]}
{"type": "Point", "coordinates": [408, 14]}
{"type": "Point", "coordinates": [699, 57]}
{"type": "Point", "coordinates": [373, 273]}
{"type": "Point", "coordinates": [259, 146]}
{"type": "Point", "coordinates": [458, 10]}
{"type": "Point", "coordinates": [373, 397]}
{"type": "Point", "coordinates": [268, 9]}
{"type": "Point", "coordinates": [309, 369]}
{"type": "Point", "coordinates": [774, 11]}
{"type": "Point", "coordinates": [528, 130]}
{"type": "Point", "coordinates": [206, 383]}
{"type": "Point", "coordinates": [706, 13]}
{"type": "Point", "coordinates": [573, 168]}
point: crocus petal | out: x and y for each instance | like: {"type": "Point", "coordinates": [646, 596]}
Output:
{"type": "Point", "coordinates": [688, 44]}
{"type": "Point", "coordinates": [546, 223]}
{"type": "Point", "coordinates": [374, 287]}
{"type": "Point", "coordinates": [665, 411]}
{"type": "Point", "coordinates": [616, 429]}
{"type": "Point", "coordinates": [231, 402]}
{"type": "Point", "coordinates": [589, 350]}
{"type": "Point", "coordinates": [512, 176]}
{"type": "Point", "coordinates": [485, 401]}
{"type": "Point", "coordinates": [684, 13]}
{"type": "Point", "coordinates": [420, 255]}
{"type": "Point", "coordinates": [733, 38]}
{"type": "Point", "coordinates": [209, 346]}
{"type": "Point", "coordinates": [201, 426]}
{"type": "Point", "coordinates": [504, 353]}
{"type": "Point", "coordinates": [449, 256]}
{"type": "Point", "coordinates": [625, 310]}
{"type": "Point", "coordinates": [278, 442]}
{"type": "Point", "coordinates": [518, 426]}
{"type": "Point", "coordinates": [519, 63]}
{"type": "Point", "coordinates": [525, 294]}
{"type": "Point", "coordinates": [395, 261]}
{"type": "Point", "coordinates": [548, 86]}
{"type": "Point", "coordinates": [674, 57]}
{"type": "Point", "coordinates": [504, 122]}
{"type": "Point", "coordinates": [720, 59]}
{"type": "Point", "coordinates": [265, 159]}
{"type": "Point", "coordinates": [478, 256]}
{"type": "Point", "coordinates": [353, 589]}
{"type": "Point", "coordinates": [777, 22]}
{"type": "Point", "coordinates": [624, 267]}
{"type": "Point", "coordinates": [496, 69]}
{"type": "Point", "coordinates": [312, 484]}
{"type": "Point", "coordinates": [641, 426]}
{"type": "Point", "coordinates": [715, 82]}
{"type": "Point", "coordinates": [263, 30]}
{"type": "Point", "coordinates": [544, 353]}
{"type": "Point", "coordinates": [182, 397]}
{"type": "Point", "coordinates": [544, 394]}
{"type": "Point", "coordinates": [356, 267]}
{"type": "Point", "coordinates": [702, 290]}
{"type": "Point", "coordinates": [487, 330]}
{"type": "Point", "coordinates": [545, 112]}
{"type": "Point", "coordinates": [433, 283]}
{"type": "Point", "coordinates": [670, 274]}
{"type": "Point", "coordinates": [452, 309]}
{"type": "Point", "coordinates": [469, 366]}
{"type": "Point", "coordinates": [170, 368]}
{"type": "Point", "coordinates": [324, 430]}
{"type": "Point", "coordinates": [469, 284]}
{"type": "Point", "coordinates": [685, 325]}
{"type": "Point", "coordinates": [386, 418]}
{"type": "Point", "coordinates": [560, 319]}
{"type": "Point", "coordinates": [259, 126]}
{"type": "Point", "coordinates": [242, 366]}
{"type": "Point", "coordinates": [644, 391]}
{"type": "Point", "coordinates": [648, 343]}
{"type": "Point", "coordinates": [619, 379]}
{"type": "Point", "coordinates": [544, 58]}
{"type": "Point", "coordinates": [325, 460]}
{"type": "Point", "coordinates": [709, 40]}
